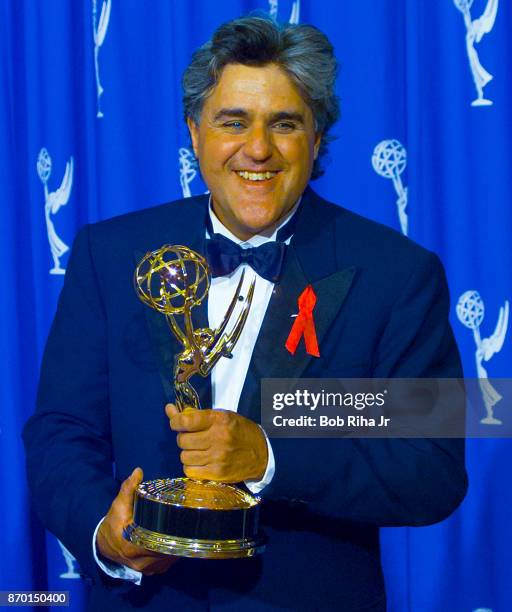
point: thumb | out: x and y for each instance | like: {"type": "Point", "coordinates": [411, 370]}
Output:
{"type": "Point", "coordinates": [171, 410]}
{"type": "Point", "coordinates": [127, 493]}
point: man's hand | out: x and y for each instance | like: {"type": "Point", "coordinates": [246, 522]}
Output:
{"type": "Point", "coordinates": [219, 444]}
{"type": "Point", "coordinates": [110, 542]}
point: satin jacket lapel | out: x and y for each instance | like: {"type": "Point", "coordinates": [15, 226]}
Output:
{"type": "Point", "coordinates": [165, 344]}
{"type": "Point", "coordinates": [310, 259]}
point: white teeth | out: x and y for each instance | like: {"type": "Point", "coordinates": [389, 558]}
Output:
{"type": "Point", "coordinates": [256, 176]}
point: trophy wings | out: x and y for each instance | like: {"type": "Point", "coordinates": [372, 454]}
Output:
{"type": "Point", "coordinates": [99, 36]}
{"type": "Point", "coordinates": [60, 197]}
{"type": "Point", "coordinates": [222, 343]}
{"type": "Point", "coordinates": [494, 343]}
{"type": "Point", "coordinates": [485, 23]}
{"type": "Point", "coordinates": [295, 13]}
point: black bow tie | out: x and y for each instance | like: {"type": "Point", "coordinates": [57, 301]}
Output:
{"type": "Point", "coordinates": [224, 256]}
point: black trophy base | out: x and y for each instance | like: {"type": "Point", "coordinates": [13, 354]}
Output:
{"type": "Point", "coordinates": [190, 518]}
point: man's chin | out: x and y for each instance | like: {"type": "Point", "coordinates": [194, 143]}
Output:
{"type": "Point", "coordinates": [264, 227]}
{"type": "Point", "coordinates": [256, 215]}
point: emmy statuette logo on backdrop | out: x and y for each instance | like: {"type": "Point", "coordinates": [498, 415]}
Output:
{"type": "Point", "coordinates": [70, 573]}
{"type": "Point", "coordinates": [188, 170]}
{"type": "Point", "coordinates": [389, 160]}
{"type": "Point", "coordinates": [295, 14]}
{"type": "Point", "coordinates": [99, 31]}
{"type": "Point", "coordinates": [471, 311]}
{"type": "Point", "coordinates": [475, 30]}
{"type": "Point", "coordinates": [52, 203]}
{"type": "Point", "coordinates": [273, 9]}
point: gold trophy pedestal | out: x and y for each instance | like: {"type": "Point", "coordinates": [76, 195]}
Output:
{"type": "Point", "coordinates": [190, 518]}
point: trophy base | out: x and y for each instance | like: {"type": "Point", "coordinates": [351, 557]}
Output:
{"type": "Point", "coordinates": [190, 518]}
{"type": "Point", "coordinates": [189, 547]}
{"type": "Point", "coordinates": [481, 102]}
{"type": "Point", "coordinates": [491, 421]}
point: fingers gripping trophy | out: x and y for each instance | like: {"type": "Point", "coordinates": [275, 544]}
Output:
{"type": "Point", "coordinates": [182, 516]}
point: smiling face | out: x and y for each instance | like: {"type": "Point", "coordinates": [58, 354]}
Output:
{"type": "Point", "coordinates": [256, 144]}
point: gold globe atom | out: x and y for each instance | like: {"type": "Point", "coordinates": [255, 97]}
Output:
{"type": "Point", "coordinates": [172, 278]}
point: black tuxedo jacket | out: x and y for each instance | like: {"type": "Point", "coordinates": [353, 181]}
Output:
{"type": "Point", "coordinates": [382, 311]}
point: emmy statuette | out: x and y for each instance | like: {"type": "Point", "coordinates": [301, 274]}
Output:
{"type": "Point", "coordinates": [182, 516]}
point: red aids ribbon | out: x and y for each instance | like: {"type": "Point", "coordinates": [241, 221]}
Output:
{"type": "Point", "coordinates": [304, 324]}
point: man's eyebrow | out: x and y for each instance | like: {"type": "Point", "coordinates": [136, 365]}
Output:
{"type": "Point", "coordinates": [287, 116]}
{"type": "Point", "coordinates": [230, 112]}
{"type": "Point", "coordinates": [241, 113]}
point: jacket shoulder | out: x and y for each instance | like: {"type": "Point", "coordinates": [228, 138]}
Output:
{"type": "Point", "coordinates": [364, 240]}
{"type": "Point", "coordinates": [175, 211]}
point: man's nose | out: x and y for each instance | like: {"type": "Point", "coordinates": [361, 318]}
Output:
{"type": "Point", "coordinates": [259, 144]}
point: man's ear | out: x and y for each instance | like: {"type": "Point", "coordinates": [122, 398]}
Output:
{"type": "Point", "coordinates": [194, 134]}
{"type": "Point", "coordinates": [318, 142]}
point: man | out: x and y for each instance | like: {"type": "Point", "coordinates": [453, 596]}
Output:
{"type": "Point", "coordinates": [259, 102]}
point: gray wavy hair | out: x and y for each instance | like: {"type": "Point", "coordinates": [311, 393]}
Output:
{"type": "Point", "coordinates": [302, 51]}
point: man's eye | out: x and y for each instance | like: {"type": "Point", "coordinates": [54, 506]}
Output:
{"type": "Point", "coordinates": [235, 125]}
{"type": "Point", "coordinates": [284, 126]}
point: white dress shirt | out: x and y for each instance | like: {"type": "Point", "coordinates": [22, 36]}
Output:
{"type": "Point", "coordinates": [228, 375]}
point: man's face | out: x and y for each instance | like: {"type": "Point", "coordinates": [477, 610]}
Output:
{"type": "Point", "coordinates": [256, 144]}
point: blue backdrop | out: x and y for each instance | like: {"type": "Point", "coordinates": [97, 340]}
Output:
{"type": "Point", "coordinates": [92, 127]}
